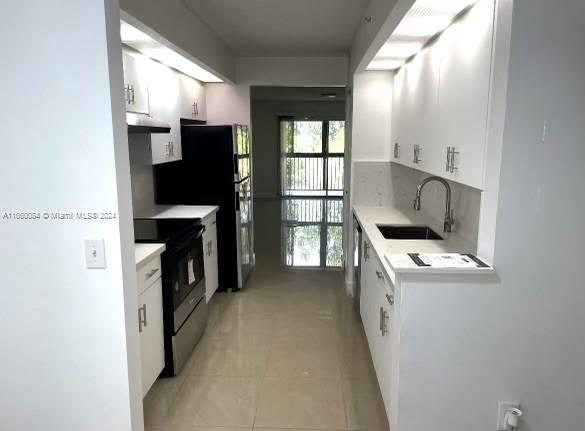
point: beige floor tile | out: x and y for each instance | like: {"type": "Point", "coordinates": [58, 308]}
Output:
{"type": "Point", "coordinates": [229, 356]}
{"type": "Point", "coordinates": [214, 401]}
{"type": "Point", "coordinates": [300, 403]}
{"type": "Point", "coordinates": [308, 360]}
{"type": "Point", "coordinates": [159, 399]}
{"type": "Point", "coordinates": [364, 406]}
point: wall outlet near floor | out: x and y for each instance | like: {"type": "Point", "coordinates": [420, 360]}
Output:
{"type": "Point", "coordinates": [503, 407]}
{"type": "Point", "coordinates": [95, 253]}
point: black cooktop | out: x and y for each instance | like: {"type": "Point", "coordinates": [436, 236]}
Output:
{"type": "Point", "coordinates": [164, 230]}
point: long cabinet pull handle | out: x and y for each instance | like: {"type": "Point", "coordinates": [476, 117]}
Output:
{"type": "Point", "coordinates": [396, 147]}
{"type": "Point", "coordinates": [151, 273]}
{"type": "Point", "coordinates": [385, 318]}
{"type": "Point", "coordinates": [453, 167]}
{"type": "Point", "coordinates": [381, 320]}
{"type": "Point", "coordinates": [145, 324]}
{"type": "Point", "coordinates": [448, 164]}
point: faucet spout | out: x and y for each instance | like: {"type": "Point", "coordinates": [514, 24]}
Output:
{"type": "Point", "coordinates": [448, 221]}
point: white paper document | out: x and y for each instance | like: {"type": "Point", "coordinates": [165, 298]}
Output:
{"type": "Point", "coordinates": [448, 260]}
{"type": "Point", "coordinates": [190, 272]}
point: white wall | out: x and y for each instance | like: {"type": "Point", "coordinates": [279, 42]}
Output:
{"type": "Point", "coordinates": [181, 27]}
{"type": "Point", "coordinates": [372, 114]}
{"type": "Point", "coordinates": [266, 137]}
{"type": "Point", "coordinates": [67, 359]}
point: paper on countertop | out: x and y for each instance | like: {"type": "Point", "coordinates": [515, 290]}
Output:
{"type": "Point", "coordinates": [190, 272]}
{"type": "Point", "coordinates": [448, 260]}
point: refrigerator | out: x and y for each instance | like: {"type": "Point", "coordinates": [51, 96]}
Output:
{"type": "Point", "coordinates": [216, 169]}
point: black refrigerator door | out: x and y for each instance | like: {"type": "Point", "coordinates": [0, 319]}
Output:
{"type": "Point", "coordinates": [205, 176]}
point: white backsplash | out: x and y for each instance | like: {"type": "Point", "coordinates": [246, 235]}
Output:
{"type": "Point", "coordinates": [384, 183]}
{"type": "Point", "coordinates": [371, 184]}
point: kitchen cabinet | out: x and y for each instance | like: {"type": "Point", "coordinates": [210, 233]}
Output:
{"type": "Point", "coordinates": [150, 322]}
{"type": "Point", "coordinates": [377, 313]}
{"type": "Point", "coordinates": [165, 104]}
{"type": "Point", "coordinates": [135, 82]}
{"type": "Point", "coordinates": [210, 256]}
{"type": "Point", "coordinates": [440, 102]}
{"type": "Point", "coordinates": [466, 51]}
{"type": "Point", "coordinates": [193, 104]}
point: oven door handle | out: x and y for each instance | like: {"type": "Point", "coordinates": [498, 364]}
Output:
{"type": "Point", "coordinates": [180, 247]}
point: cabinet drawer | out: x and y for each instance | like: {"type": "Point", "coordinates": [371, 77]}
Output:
{"type": "Point", "coordinates": [148, 273]}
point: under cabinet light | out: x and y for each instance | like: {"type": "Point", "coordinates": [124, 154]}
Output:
{"type": "Point", "coordinates": [424, 20]}
{"type": "Point", "coordinates": [149, 47]}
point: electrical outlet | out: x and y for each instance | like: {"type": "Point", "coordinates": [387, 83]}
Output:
{"type": "Point", "coordinates": [95, 254]}
{"type": "Point", "coordinates": [503, 407]}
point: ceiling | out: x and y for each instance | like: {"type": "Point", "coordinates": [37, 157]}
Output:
{"type": "Point", "coordinates": [299, 94]}
{"type": "Point", "coordinates": [282, 27]}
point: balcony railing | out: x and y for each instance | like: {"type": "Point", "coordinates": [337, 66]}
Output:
{"type": "Point", "coordinates": [312, 174]}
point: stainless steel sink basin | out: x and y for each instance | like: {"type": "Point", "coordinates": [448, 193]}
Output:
{"type": "Point", "coordinates": [408, 232]}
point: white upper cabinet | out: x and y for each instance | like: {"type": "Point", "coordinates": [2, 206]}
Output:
{"type": "Point", "coordinates": [135, 82]}
{"type": "Point", "coordinates": [165, 104]}
{"type": "Point", "coordinates": [422, 82]}
{"type": "Point", "coordinates": [440, 101]}
{"type": "Point", "coordinates": [465, 68]}
{"type": "Point", "coordinates": [193, 104]}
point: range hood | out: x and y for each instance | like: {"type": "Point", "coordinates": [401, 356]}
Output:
{"type": "Point", "coordinates": [142, 123]}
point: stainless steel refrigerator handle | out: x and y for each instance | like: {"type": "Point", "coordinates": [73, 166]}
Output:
{"type": "Point", "coordinates": [242, 180]}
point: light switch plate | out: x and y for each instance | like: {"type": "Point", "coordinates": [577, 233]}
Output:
{"type": "Point", "coordinates": [95, 254]}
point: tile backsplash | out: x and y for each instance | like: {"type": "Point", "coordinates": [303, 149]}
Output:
{"type": "Point", "coordinates": [383, 183]}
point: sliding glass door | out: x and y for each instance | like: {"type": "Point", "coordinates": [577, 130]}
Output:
{"type": "Point", "coordinates": [312, 157]}
{"type": "Point", "coordinates": [312, 192]}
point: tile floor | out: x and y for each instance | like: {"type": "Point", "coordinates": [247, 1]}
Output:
{"type": "Point", "coordinates": [288, 352]}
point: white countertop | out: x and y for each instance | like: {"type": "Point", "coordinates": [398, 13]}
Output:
{"type": "Point", "coordinates": [143, 252]}
{"type": "Point", "coordinates": [179, 211]}
{"type": "Point", "coordinates": [392, 253]}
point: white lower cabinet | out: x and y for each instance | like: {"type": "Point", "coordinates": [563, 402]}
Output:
{"type": "Point", "coordinates": [377, 312]}
{"type": "Point", "coordinates": [210, 256]}
{"type": "Point", "coordinates": [150, 323]}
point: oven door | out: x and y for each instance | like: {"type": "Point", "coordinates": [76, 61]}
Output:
{"type": "Point", "coordinates": [187, 266]}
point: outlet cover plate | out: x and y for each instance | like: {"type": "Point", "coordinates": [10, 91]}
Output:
{"type": "Point", "coordinates": [503, 407]}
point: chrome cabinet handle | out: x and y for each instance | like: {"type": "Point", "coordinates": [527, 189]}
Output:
{"type": "Point", "coordinates": [380, 275]}
{"type": "Point", "coordinates": [366, 251]}
{"type": "Point", "coordinates": [417, 152]}
{"type": "Point", "coordinates": [385, 318]}
{"type": "Point", "coordinates": [448, 164]}
{"type": "Point", "coordinates": [151, 273]}
{"type": "Point", "coordinates": [381, 320]}
{"type": "Point", "coordinates": [396, 148]}
{"type": "Point", "coordinates": [131, 93]}
{"type": "Point", "coordinates": [390, 299]}
{"type": "Point", "coordinates": [195, 109]}
{"type": "Point", "coordinates": [141, 320]}
{"type": "Point", "coordinates": [127, 93]}
{"type": "Point", "coordinates": [453, 167]}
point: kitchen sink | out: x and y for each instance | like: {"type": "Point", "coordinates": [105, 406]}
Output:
{"type": "Point", "coordinates": [408, 232]}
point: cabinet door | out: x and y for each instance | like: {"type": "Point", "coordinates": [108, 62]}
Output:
{"type": "Point", "coordinates": [193, 104]}
{"type": "Point", "coordinates": [150, 321]}
{"type": "Point", "coordinates": [368, 299]}
{"type": "Point", "coordinates": [165, 105]}
{"type": "Point", "coordinates": [466, 49]}
{"type": "Point", "coordinates": [161, 147]}
{"type": "Point", "coordinates": [423, 83]}
{"type": "Point", "coordinates": [210, 260]}
{"type": "Point", "coordinates": [383, 363]}
{"type": "Point", "coordinates": [136, 70]}
{"type": "Point", "coordinates": [400, 145]}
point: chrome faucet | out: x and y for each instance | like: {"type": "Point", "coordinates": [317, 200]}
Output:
{"type": "Point", "coordinates": [449, 221]}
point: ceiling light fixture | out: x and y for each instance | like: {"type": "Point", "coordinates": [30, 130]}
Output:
{"type": "Point", "coordinates": [155, 50]}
